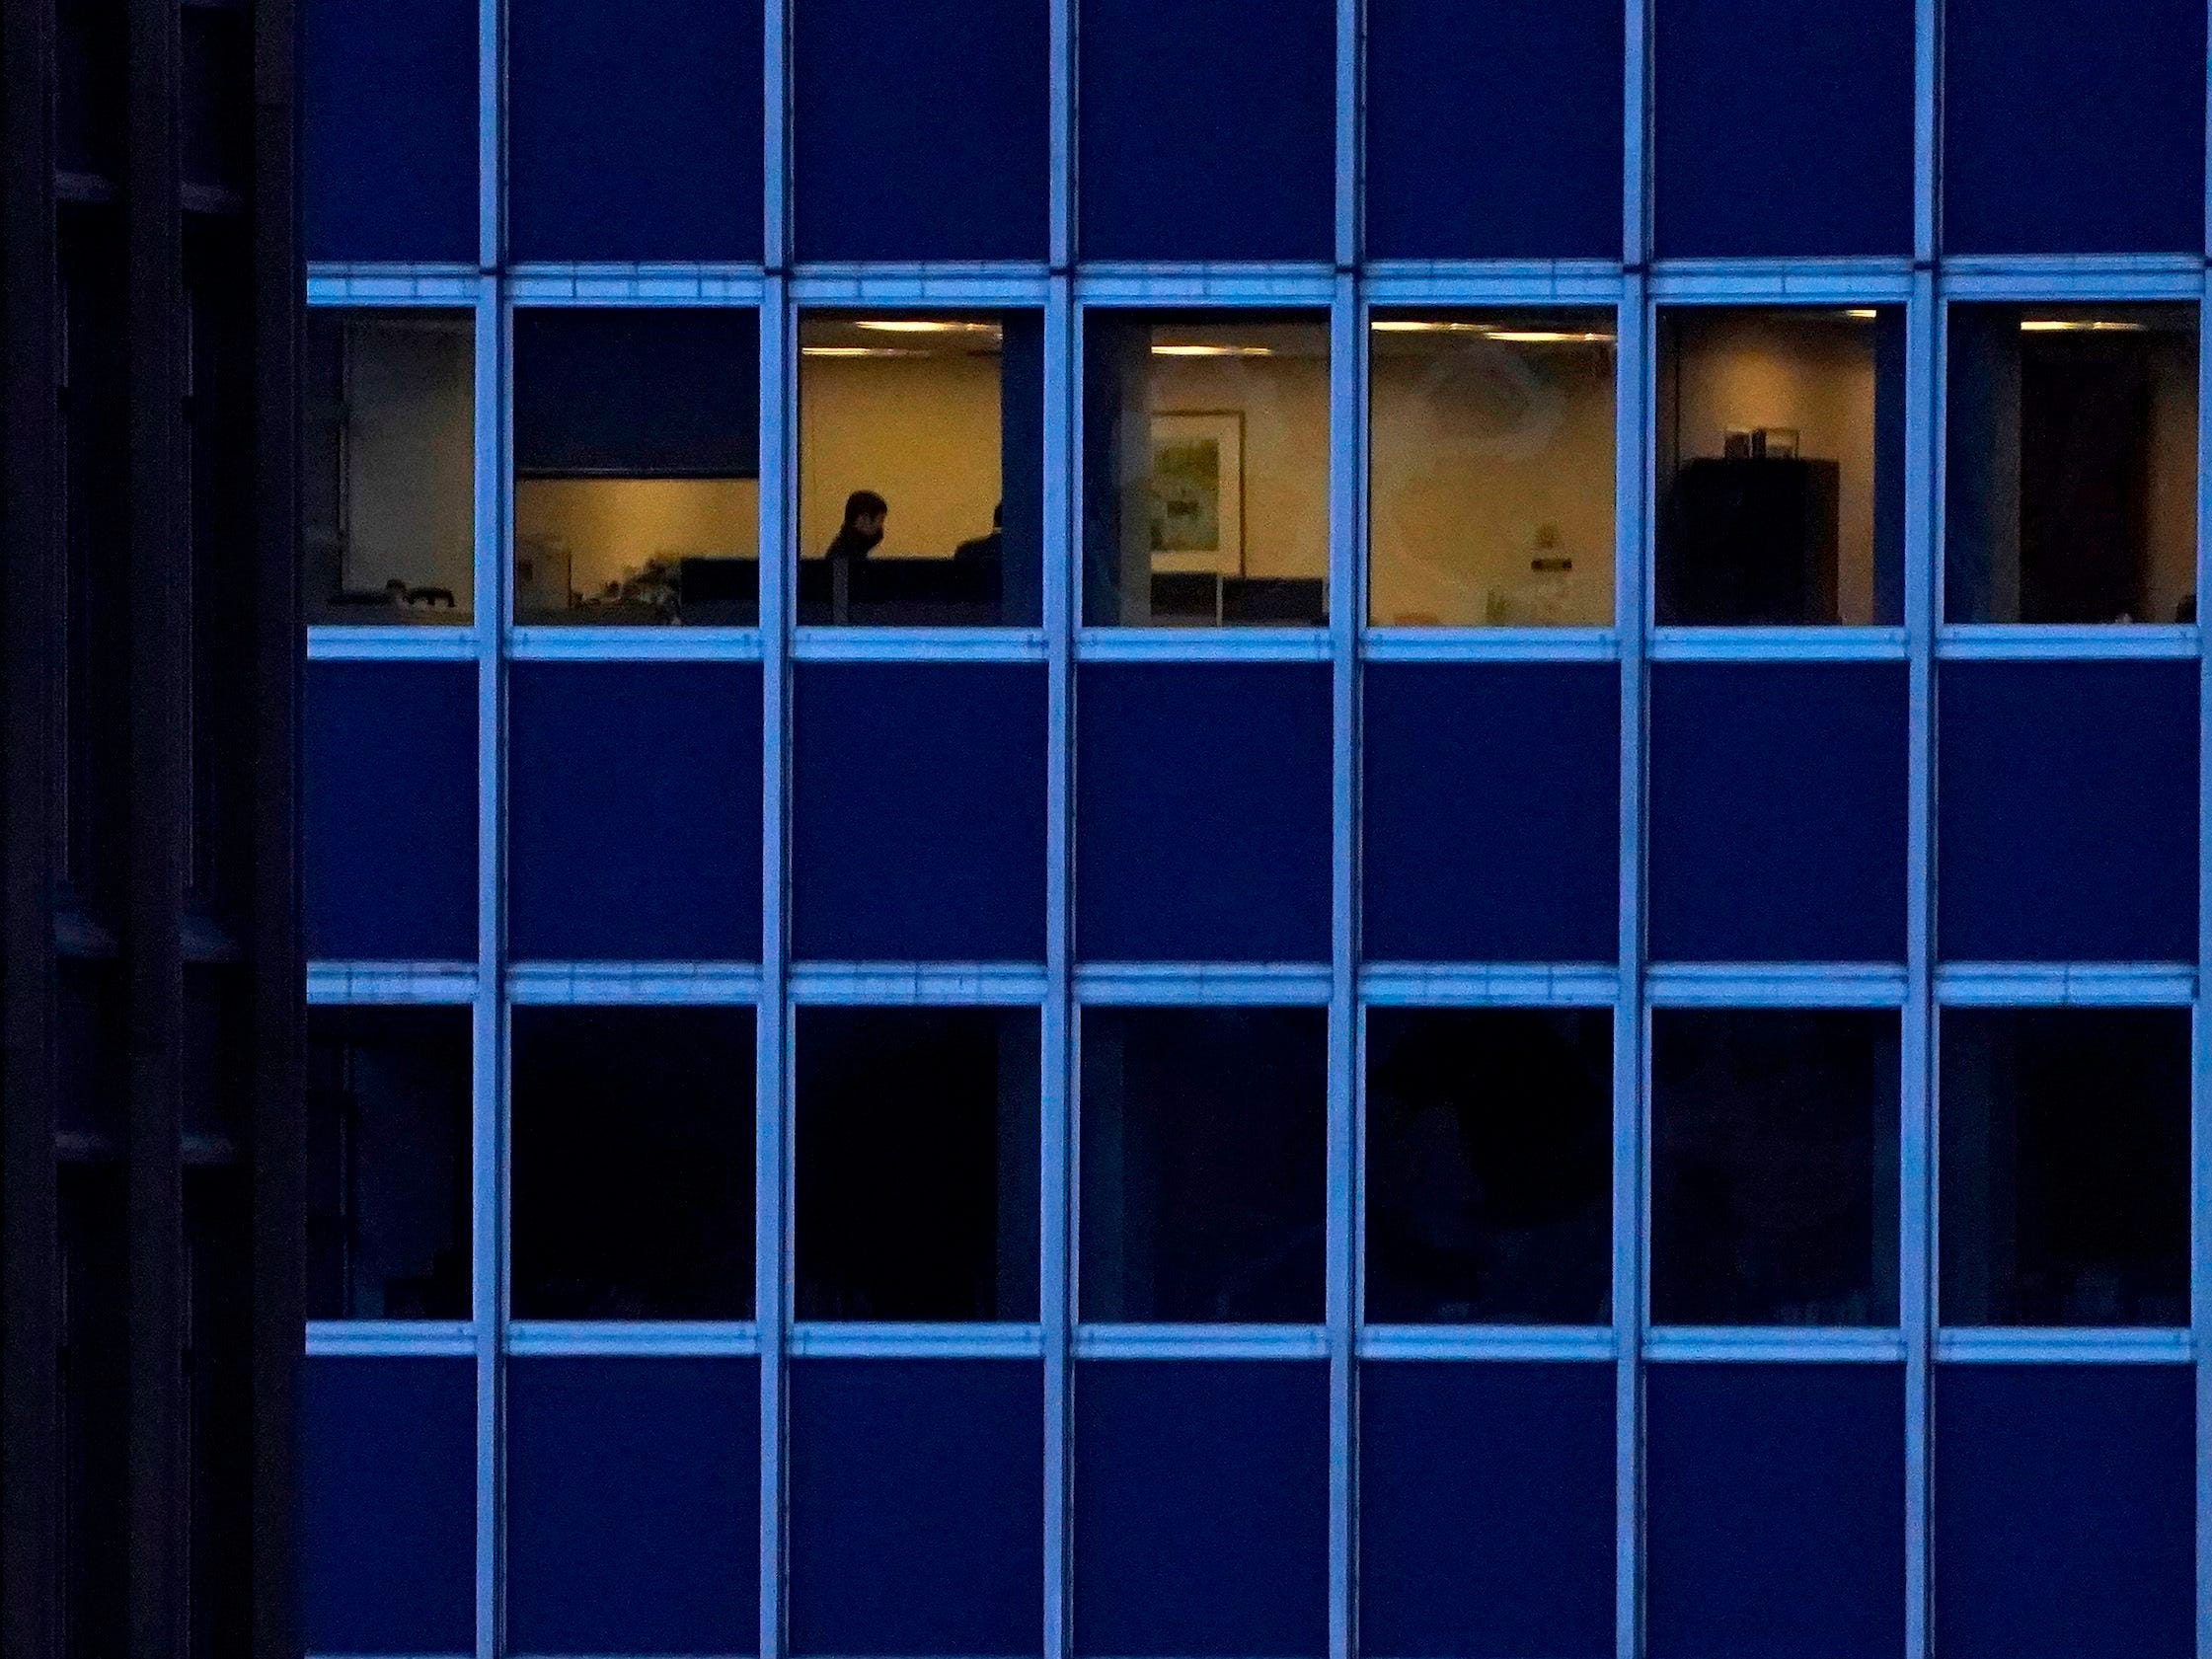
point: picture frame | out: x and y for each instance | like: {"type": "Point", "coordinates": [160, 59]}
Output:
{"type": "Point", "coordinates": [1196, 492]}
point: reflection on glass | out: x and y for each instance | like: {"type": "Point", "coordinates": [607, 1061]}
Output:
{"type": "Point", "coordinates": [921, 467]}
{"type": "Point", "coordinates": [1203, 1165]}
{"type": "Point", "coordinates": [917, 1163]}
{"type": "Point", "coordinates": [2065, 1166]}
{"type": "Point", "coordinates": [1773, 1166]}
{"type": "Point", "coordinates": [632, 1182]}
{"type": "Point", "coordinates": [1489, 1159]}
{"type": "Point", "coordinates": [388, 1163]}
{"type": "Point", "coordinates": [637, 456]}
{"type": "Point", "coordinates": [2072, 489]}
{"type": "Point", "coordinates": [387, 474]}
{"type": "Point", "coordinates": [1781, 443]}
{"type": "Point", "coordinates": [1205, 470]}
{"type": "Point", "coordinates": [1491, 480]}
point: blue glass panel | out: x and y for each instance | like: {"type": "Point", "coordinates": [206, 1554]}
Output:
{"type": "Point", "coordinates": [388, 129]}
{"type": "Point", "coordinates": [1783, 128]}
{"type": "Point", "coordinates": [918, 812]}
{"type": "Point", "coordinates": [1750, 860]}
{"type": "Point", "coordinates": [2073, 128]}
{"type": "Point", "coordinates": [2067, 794]}
{"type": "Point", "coordinates": [972, 87]}
{"type": "Point", "coordinates": [1775, 1519]}
{"type": "Point", "coordinates": [388, 1506]}
{"type": "Point", "coordinates": [1206, 129]}
{"type": "Point", "coordinates": [632, 1505]}
{"type": "Point", "coordinates": [638, 393]}
{"type": "Point", "coordinates": [633, 811]}
{"type": "Point", "coordinates": [1492, 812]}
{"type": "Point", "coordinates": [2064, 1512]}
{"type": "Point", "coordinates": [1203, 812]}
{"type": "Point", "coordinates": [389, 811]}
{"type": "Point", "coordinates": [917, 1507]}
{"type": "Point", "coordinates": [1201, 1508]}
{"type": "Point", "coordinates": [634, 131]}
{"type": "Point", "coordinates": [1485, 1510]}
{"type": "Point", "coordinates": [1493, 131]}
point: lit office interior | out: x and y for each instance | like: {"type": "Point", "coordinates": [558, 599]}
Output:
{"type": "Point", "coordinates": [1205, 470]}
{"type": "Point", "coordinates": [1779, 440]}
{"type": "Point", "coordinates": [387, 485]}
{"type": "Point", "coordinates": [637, 467]}
{"type": "Point", "coordinates": [1490, 468]}
{"type": "Point", "coordinates": [2073, 438]}
{"type": "Point", "coordinates": [939, 418]}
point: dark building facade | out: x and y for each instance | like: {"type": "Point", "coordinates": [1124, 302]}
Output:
{"type": "Point", "coordinates": [150, 972]}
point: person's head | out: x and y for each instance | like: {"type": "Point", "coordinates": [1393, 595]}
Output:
{"type": "Point", "coordinates": [864, 512]}
{"type": "Point", "coordinates": [998, 517]}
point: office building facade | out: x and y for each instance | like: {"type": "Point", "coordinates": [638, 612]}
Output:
{"type": "Point", "coordinates": [1256, 827]}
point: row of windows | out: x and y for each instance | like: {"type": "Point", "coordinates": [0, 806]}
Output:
{"type": "Point", "coordinates": [1777, 451]}
{"type": "Point", "coordinates": [1771, 1521]}
{"type": "Point", "coordinates": [1782, 130]}
{"type": "Point", "coordinates": [1488, 1166]}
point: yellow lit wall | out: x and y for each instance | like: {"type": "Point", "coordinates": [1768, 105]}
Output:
{"type": "Point", "coordinates": [922, 432]}
{"type": "Point", "coordinates": [612, 527]}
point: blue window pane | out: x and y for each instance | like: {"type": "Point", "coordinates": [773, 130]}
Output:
{"type": "Point", "coordinates": [1493, 131]}
{"type": "Point", "coordinates": [918, 812]}
{"type": "Point", "coordinates": [1204, 812]}
{"type": "Point", "coordinates": [917, 1507]}
{"type": "Point", "coordinates": [633, 811]}
{"type": "Point", "coordinates": [388, 1506]}
{"type": "Point", "coordinates": [1775, 1523]}
{"type": "Point", "coordinates": [1747, 863]}
{"type": "Point", "coordinates": [389, 812]}
{"type": "Point", "coordinates": [2067, 795]}
{"type": "Point", "coordinates": [1195, 148]}
{"type": "Point", "coordinates": [634, 131]}
{"type": "Point", "coordinates": [1485, 1510]}
{"type": "Point", "coordinates": [632, 1505]}
{"type": "Point", "coordinates": [1784, 127]}
{"type": "Point", "coordinates": [2064, 1512]}
{"type": "Point", "coordinates": [973, 94]}
{"type": "Point", "coordinates": [388, 129]}
{"type": "Point", "coordinates": [1492, 812]}
{"type": "Point", "coordinates": [1201, 1508]}
{"type": "Point", "coordinates": [2073, 128]}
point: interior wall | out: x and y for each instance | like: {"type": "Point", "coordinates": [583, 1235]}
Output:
{"type": "Point", "coordinates": [613, 526]}
{"type": "Point", "coordinates": [1284, 401]}
{"type": "Point", "coordinates": [410, 439]}
{"type": "Point", "coordinates": [1485, 458]}
{"type": "Point", "coordinates": [922, 432]}
{"type": "Point", "coordinates": [2171, 520]}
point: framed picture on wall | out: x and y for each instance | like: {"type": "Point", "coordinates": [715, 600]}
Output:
{"type": "Point", "coordinates": [1198, 492]}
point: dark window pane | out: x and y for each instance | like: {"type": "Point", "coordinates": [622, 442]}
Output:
{"type": "Point", "coordinates": [2071, 494]}
{"type": "Point", "coordinates": [921, 457]}
{"type": "Point", "coordinates": [2065, 1516]}
{"type": "Point", "coordinates": [2033, 161]}
{"type": "Point", "coordinates": [1784, 128]}
{"type": "Point", "coordinates": [1203, 1153]}
{"type": "Point", "coordinates": [917, 1507]}
{"type": "Point", "coordinates": [1205, 470]}
{"type": "Point", "coordinates": [1485, 1510]}
{"type": "Point", "coordinates": [1491, 479]}
{"type": "Point", "coordinates": [387, 476]}
{"type": "Point", "coordinates": [637, 466]}
{"type": "Point", "coordinates": [633, 131]}
{"type": "Point", "coordinates": [917, 1156]}
{"type": "Point", "coordinates": [1493, 131]}
{"type": "Point", "coordinates": [972, 89]}
{"type": "Point", "coordinates": [632, 1505]}
{"type": "Point", "coordinates": [388, 1163]}
{"type": "Point", "coordinates": [2066, 1166]}
{"type": "Point", "coordinates": [1188, 153]}
{"type": "Point", "coordinates": [1201, 1508]}
{"type": "Point", "coordinates": [1488, 1166]}
{"type": "Point", "coordinates": [1774, 1167]}
{"type": "Point", "coordinates": [93, 1401]}
{"type": "Point", "coordinates": [632, 811]}
{"type": "Point", "coordinates": [1781, 479]}
{"type": "Point", "coordinates": [631, 1131]}
{"type": "Point", "coordinates": [1775, 1525]}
